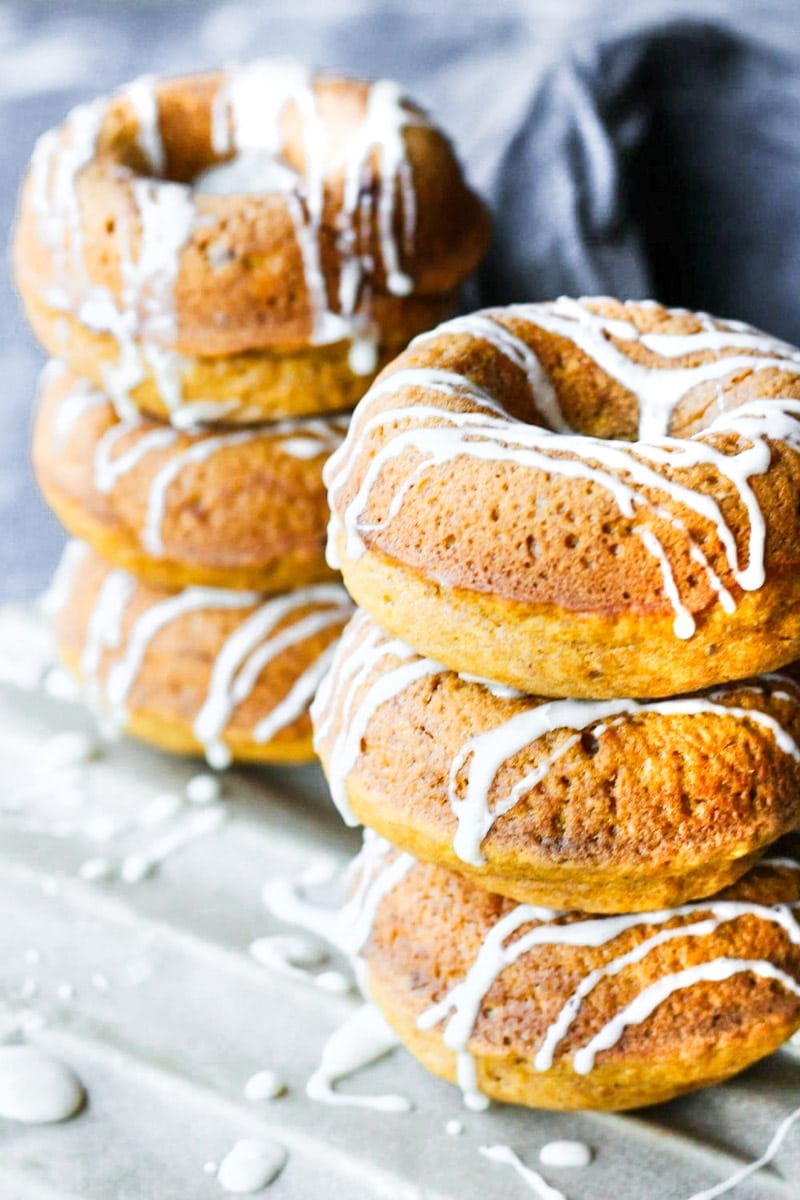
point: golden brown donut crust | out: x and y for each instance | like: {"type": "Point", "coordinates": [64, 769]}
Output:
{"type": "Point", "coordinates": [542, 583]}
{"type": "Point", "coordinates": [641, 811]}
{"type": "Point", "coordinates": [254, 385]}
{"type": "Point", "coordinates": [429, 928]}
{"type": "Point", "coordinates": [258, 295]}
{"type": "Point", "coordinates": [175, 676]}
{"type": "Point", "coordinates": [252, 515]}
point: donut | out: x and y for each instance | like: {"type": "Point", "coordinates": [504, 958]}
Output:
{"type": "Point", "coordinates": [563, 1010]}
{"type": "Point", "coordinates": [605, 806]}
{"type": "Point", "coordinates": [202, 670]}
{"type": "Point", "coordinates": [242, 508]}
{"type": "Point", "coordinates": [242, 244]}
{"type": "Point", "coordinates": [580, 498]}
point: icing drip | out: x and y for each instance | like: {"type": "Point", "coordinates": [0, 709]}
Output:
{"type": "Point", "coordinates": [240, 661]}
{"type": "Point", "coordinates": [565, 1154]}
{"type": "Point", "coordinates": [60, 587]}
{"type": "Point", "coordinates": [35, 1088]}
{"type": "Point", "coordinates": [382, 131]}
{"type": "Point", "coordinates": [629, 472]}
{"type": "Point", "coordinates": [252, 646]}
{"type": "Point", "coordinates": [506, 1156]}
{"type": "Point", "coordinates": [247, 121]}
{"type": "Point", "coordinates": [58, 159]}
{"type": "Point", "coordinates": [293, 957]}
{"type": "Point", "coordinates": [142, 95]}
{"type": "Point", "coordinates": [362, 1039]}
{"type": "Point", "coordinates": [79, 399]}
{"type": "Point", "coordinates": [743, 1173]}
{"type": "Point", "coordinates": [264, 1085]}
{"type": "Point", "coordinates": [354, 717]}
{"type": "Point", "coordinates": [350, 697]}
{"type": "Point", "coordinates": [251, 1165]}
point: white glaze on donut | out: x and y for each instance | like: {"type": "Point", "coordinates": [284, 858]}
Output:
{"type": "Point", "coordinates": [346, 703]}
{"type": "Point", "coordinates": [247, 122]}
{"type": "Point", "coordinates": [527, 926]}
{"type": "Point", "coordinates": [239, 662]}
{"type": "Point", "coordinates": [435, 436]}
{"type": "Point", "coordinates": [303, 438]}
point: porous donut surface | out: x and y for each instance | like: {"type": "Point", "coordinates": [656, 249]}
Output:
{"type": "Point", "coordinates": [564, 1010]}
{"type": "Point", "coordinates": [242, 508]}
{"type": "Point", "coordinates": [606, 806]}
{"type": "Point", "coordinates": [580, 498]}
{"type": "Point", "coordinates": [183, 221]}
{"type": "Point", "coordinates": [200, 670]}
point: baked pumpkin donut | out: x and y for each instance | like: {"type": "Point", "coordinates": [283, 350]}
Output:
{"type": "Point", "coordinates": [580, 498]}
{"type": "Point", "coordinates": [226, 673]}
{"type": "Point", "coordinates": [606, 806]}
{"type": "Point", "coordinates": [567, 1011]}
{"type": "Point", "coordinates": [242, 244]}
{"type": "Point", "coordinates": [242, 509]}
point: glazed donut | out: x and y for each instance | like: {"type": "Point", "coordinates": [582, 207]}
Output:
{"type": "Point", "coordinates": [226, 673]}
{"type": "Point", "coordinates": [241, 509]}
{"type": "Point", "coordinates": [580, 498]}
{"type": "Point", "coordinates": [567, 1011]}
{"type": "Point", "coordinates": [606, 806]}
{"type": "Point", "coordinates": [242, 244]}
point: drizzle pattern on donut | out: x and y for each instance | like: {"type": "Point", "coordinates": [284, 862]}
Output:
{"type": "Point", "coordinates": [268, 627]}
{"type": "Point", "coordinates": [523, 928]}
{"type": "Point", "coordinates": [442, 415]}
{"type": "Point", "coordinates": [247, 116]}
{"type": "Point", "coordinates": [370, 668]}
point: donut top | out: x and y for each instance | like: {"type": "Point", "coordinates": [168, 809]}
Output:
{"type": "Point", "coordinates": [264, 205]}
{"type": "Point", "coordinates": [769, 895]}
{"type": "Point", "coordinates": [579, 423]}
{"type": "Point", "coordinates": [490, 772]}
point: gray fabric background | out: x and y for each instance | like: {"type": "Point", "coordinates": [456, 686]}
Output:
{"type": "Point", "coordinates": [632, 148]}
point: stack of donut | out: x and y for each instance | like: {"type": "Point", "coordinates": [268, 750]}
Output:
{"type": "Point", "coordinates": [573, 530]}
{"type": "Point", "coordinates": [218, 266]}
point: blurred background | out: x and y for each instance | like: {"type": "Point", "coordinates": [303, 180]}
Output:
{"type": "Point", "coordinates": [632, 148]}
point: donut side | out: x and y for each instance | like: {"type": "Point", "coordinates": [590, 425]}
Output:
{"type": "Point", "coordinates": [593, 1013]}
{"type": "Point", "coordinates": [239, 509]}
{"type": "Point", "coordinates": [201, 670]}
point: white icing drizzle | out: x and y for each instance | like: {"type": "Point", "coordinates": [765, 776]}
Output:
{"type": "Point", "coordinates": [240, 661]}
{"type": "Point", "coordinates": [360, 682]}
{"type": "Point", "coordinates": [483, 328]}
{"type": "Point", "coordinates": [304, 438]}
{"type": "Point", "coordinates": [142, 95]}
{"type": "Point", "coordinates": [294, 957]}
{"type": "Point", "coordinates": [58, 159]}
{"type": "Point", "coordinates": [776, 1141]}
{"type": "Point", "coordinates": [539, 1186]}
{"type": "Point", "coordinates": [362, 1039]}
{"type": "Point", "coordinates": [80, 398]}
{"type": "Point", "coordinates": [61, 585]}
{"type": "Point", "coordinates": [253, 645]}
{"type": "Point", "coordinates": [354, 717]}
{"type": "Point", "coordinates": [629, 472]}
{"type": "Point", "coordinates": [247, 118]}
{"type": "Point", "coordinates": [35, 1088]}
{"type": "Point", "coordinates": [251, 1165]}
{"type": "Point", "coordinates": [461, 1005]}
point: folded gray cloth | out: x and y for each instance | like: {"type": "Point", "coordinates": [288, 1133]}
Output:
{"type": "Point", "coordinates": [663, 162]}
